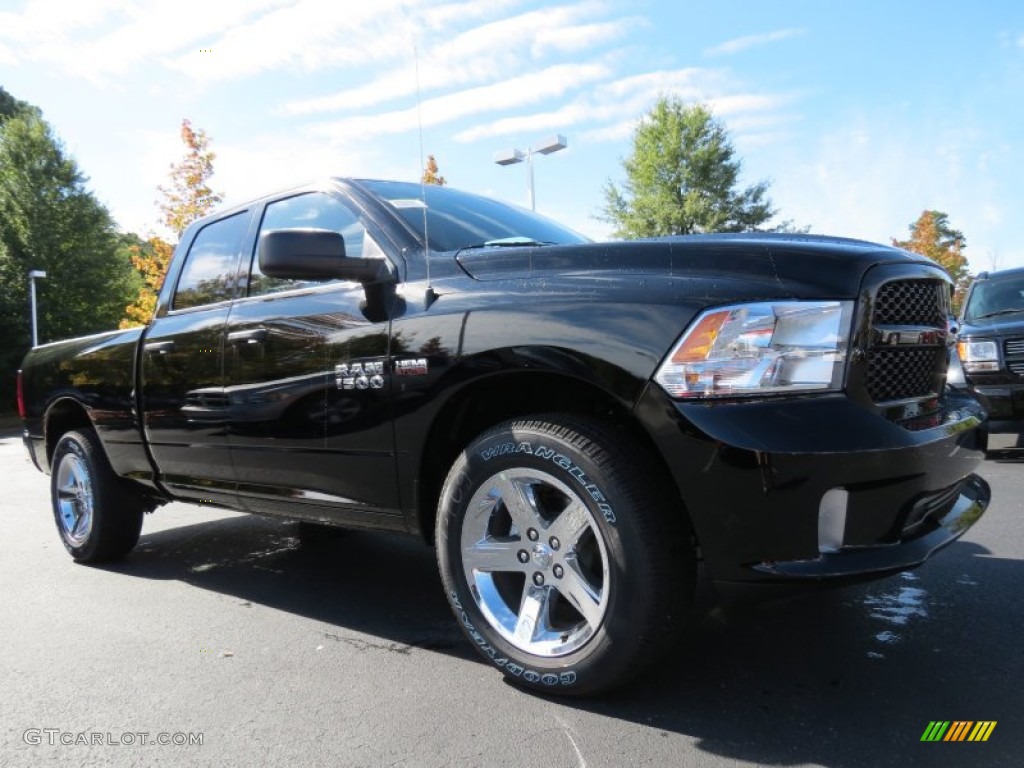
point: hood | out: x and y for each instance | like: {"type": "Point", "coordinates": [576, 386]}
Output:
{"type": "Point", "coordinates": [1000, 325]}
{"type": "Point", "coordinates": [826, 266]}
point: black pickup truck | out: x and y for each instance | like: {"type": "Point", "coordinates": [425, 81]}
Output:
{"type": "Point", "coordinates": [574, 425]}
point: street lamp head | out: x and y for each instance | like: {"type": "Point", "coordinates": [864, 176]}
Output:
{"type": "Point", "coordinates": [36, 273]}
{"type": "Point", "coordinates": [546, 147]}
{"type": "Point", "coordinates": [551, 144]}
{"type": "Point", "coordinates": [508, 157]}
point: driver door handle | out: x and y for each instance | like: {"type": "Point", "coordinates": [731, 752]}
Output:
{"type": "Point", "coordinates": [160, 347]}
{"type": "Point", "coordinates": [253, 336]}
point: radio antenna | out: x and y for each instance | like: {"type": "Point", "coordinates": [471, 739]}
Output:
{"type": "Point", "coordinates": [430, 295]}
{"type": "Point", "coordinates": [423, 183]}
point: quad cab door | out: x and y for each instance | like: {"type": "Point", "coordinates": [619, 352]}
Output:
{"type": "Point", "coordinates": [307, 385]}
{"type": "Point", "coordinates": [182, 398]}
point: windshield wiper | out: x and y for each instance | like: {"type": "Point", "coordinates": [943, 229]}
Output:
{"type": "Point", "coordinates": [507, 242]}
{"type": "Point", "coordinates": [1000, 312]}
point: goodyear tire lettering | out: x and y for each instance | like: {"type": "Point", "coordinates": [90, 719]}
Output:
{"type": "Point", "coordinates": [511, 668]}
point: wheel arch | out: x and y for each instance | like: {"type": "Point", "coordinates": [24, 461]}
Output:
{"type": "Point", "coordinates": [482, 404]}
{"type": "Point", "coordinates": [62, 416]}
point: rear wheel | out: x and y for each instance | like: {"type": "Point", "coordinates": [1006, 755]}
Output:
{"type": "Point", "coordinates": [98, 517]}
{"type": "Point", "coordinates": [562, 554]}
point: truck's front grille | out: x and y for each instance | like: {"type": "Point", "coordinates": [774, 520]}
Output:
{"type": "Point", "coordinates": [1014, 347]}
{"type": "Point", "coordinates": [900, 374]}
{"type": "Point", "coordinates": [907, 356]}
{"type": "Point", "coordinates": [1013, 351]}
{"type": "Point", "coordinates": [911, 302]}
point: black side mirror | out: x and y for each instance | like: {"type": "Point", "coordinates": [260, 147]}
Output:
{"type": "Point", "coordinates": [314, 254]}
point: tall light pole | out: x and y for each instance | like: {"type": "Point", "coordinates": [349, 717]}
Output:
{"type": "Point", "coordinates": [32, 276]}
{"type": "Point", "coordinates": [513, 156]}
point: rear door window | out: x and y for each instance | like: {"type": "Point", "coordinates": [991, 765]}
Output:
{"type": "Point", "coordinates": [211, 266]}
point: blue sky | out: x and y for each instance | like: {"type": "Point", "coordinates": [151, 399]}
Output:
{"type": "Point", "coordinates": [860, 114]}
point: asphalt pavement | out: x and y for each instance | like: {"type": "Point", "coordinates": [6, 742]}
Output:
{"type": "Point", "coordinates": [273, 649]}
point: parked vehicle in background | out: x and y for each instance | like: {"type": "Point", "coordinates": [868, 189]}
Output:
{"type": "Point", "coordinates": [990, 350]}
{"type": "Point", "coordinates": [572, 424]}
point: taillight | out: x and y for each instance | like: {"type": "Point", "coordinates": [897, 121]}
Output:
{"type": "Point", "coordinates": [21, 396]}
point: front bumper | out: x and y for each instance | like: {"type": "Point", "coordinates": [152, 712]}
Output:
{"type": "Point", "coordinates": [760, 482]}
{"type": "Point", "coordinates": [970, 502]}
{"type": "Point", "coordinates": [1004, 401]}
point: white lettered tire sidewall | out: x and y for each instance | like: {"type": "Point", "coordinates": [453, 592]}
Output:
{"type": "Point", "coordinates": [612, 497]}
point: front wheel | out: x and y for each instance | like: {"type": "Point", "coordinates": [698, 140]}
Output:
{"type": "Point", "coordinates": [562, 554]}
{"type": "Point", "coordinates": [98, 517]}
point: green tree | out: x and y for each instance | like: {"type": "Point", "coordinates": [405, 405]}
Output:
{"type": "Point", "coordinates": [681, 178]}
{"type": "Point", "coordinates": [50, 221]}
{"type": "Point", "coordinates": [932, 235]}
{"type": "Point", "coordinates": [11, 107]}
{"type": "Point", "coordinates": [430, 174]}
{"type": "Point", "coordinates": [187, 198]}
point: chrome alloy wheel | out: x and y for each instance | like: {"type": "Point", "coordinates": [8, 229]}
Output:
{"type": "Point", "coordinates": [74, 499]}
{"type": "Point", "coordinates": [535, 562]}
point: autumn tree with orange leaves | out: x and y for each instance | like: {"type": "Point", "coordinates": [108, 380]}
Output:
{"type": "Point", "coordinates": [187, 198]}
{"type": "Point", "coordinates": [430, 174]}
{"type": "Point", "coordinates": [931, 235]}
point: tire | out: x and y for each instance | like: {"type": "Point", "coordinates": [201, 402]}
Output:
{"type": "Point", "coordinates": [98, 516]}
{"type": "Point", "coordinates": [564, 559]}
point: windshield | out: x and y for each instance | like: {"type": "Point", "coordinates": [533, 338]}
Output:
{"type": "Point", "coordinates": [462, 220]}
{"type": "Point", "coordinates": [996, 296]}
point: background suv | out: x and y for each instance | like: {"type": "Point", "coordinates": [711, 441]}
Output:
{"type": "Point", "coordinates": [991, 351]}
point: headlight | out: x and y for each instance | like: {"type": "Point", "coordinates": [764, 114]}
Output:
{"type": "Point", "coordinates": [767, 348]}
{"type": "Point", "coordinates": [978, 355]}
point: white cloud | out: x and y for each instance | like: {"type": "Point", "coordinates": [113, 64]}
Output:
{"type": "Point", "coordinates": [525, 27]}
{"type": "Point", "coordinates": [688, 83]}
{"type": "Point", "coordinates": [539, 121]}
{"type": "Point", "coordinates": [491, 50]}
{"type": "Point", "coordinates": [440, 17]}
{"type": "Point", "coordinates": [140, 31]}
{"type": "Point", "coordinates": [621, 102]}
{"type": "Point", "coordinates": [582, 37]}
{"type": "Point", "coordinates": [508, 94]}
{"type": "Point", "coordinates": [307, 35]}
{"type": "Point", "coordinates": [752, 41]}
{"type": "Point", "coordinates": [49, 20]}
{"type": "Point", "coordinates": [7, 56]}
{"type": "Point", "coordinates": [399, 83]}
